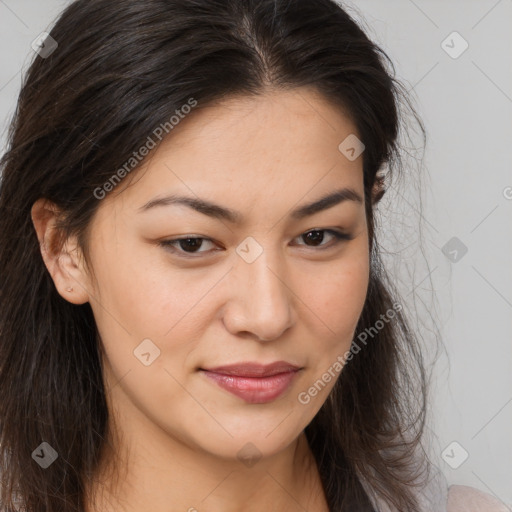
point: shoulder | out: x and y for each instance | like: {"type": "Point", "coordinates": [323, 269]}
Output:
{"type": "Point", "coordinates": [468, 499]}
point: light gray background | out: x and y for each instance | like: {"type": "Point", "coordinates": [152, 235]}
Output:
{"type": "Point", "coordinates": [466, 104]}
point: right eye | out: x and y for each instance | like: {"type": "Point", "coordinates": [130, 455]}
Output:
{"type": "Point", "coordinates": [185, 243]}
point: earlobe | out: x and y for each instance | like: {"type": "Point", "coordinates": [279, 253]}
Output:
{"type": "Point", "coordinates": [61, 259]}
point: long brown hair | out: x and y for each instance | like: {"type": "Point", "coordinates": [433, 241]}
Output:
{"type": "Point", "coordinates": [122, 68]}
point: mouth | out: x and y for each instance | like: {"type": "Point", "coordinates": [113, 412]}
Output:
{"type": "Point", "coordinates": [252, 382]}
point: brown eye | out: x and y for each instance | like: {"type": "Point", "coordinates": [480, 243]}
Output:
{"type": "Point", "coordinates": [315, 237]}
{"type": "Point", "coordinates": [188, 245]}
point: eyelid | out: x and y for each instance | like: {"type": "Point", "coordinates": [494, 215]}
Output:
{"type": "Point", "coordinates": [339, 237]}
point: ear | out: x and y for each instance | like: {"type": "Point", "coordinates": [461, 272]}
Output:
{"type": "Point", "coordinates": [63, 263]}
{"type": "Point", "coordinates": [378, 189]}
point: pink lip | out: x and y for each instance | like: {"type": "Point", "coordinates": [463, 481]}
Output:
{"type": "Point", "coordinates": [253, 382]}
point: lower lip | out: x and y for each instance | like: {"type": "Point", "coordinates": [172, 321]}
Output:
{"type": "Point", "coordinates": [254, 390]}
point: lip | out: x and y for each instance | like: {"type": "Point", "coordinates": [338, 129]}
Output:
{"type": "Point", "coordinates": [255, 383]}
{"type": "Point", "coordinates": [253, 369]}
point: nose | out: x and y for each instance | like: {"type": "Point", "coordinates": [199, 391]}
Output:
{"type": "Point", "coordinates": [261, 303]}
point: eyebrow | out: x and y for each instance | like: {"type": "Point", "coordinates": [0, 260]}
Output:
{"type": "Point", "coordinates": [220, 212]}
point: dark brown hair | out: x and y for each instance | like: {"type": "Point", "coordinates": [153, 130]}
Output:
{"type": "Point", "coordinates": [121, 69]}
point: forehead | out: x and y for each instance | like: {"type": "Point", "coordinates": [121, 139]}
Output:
{"type": "Point", "coordinates": [280, 146]}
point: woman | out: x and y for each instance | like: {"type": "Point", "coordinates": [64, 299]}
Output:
{"type": "Point", "coordinates": [193, 311]}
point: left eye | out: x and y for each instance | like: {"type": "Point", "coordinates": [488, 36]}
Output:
{"type": "Point", "coordinates": [337, 236]}
{"type": "Point", "coordinates": [193, 243]}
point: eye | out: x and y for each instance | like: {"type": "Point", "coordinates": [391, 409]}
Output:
{"type": "Point", "coordinates": [314, 237]}
{"type": "Point", "coordinates": [186, 247]}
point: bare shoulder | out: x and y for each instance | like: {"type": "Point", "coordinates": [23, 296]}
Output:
{"type": "Point", "coordinates": [468, 499]}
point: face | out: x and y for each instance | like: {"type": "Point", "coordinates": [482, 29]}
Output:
{"type": "Point", "coordinates": [255, 279]}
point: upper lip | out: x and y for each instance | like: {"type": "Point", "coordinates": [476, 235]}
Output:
{"type": "Point", "coordinates": [254, 369]}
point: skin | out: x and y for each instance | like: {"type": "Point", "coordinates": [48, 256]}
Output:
{"type": "Point", "coordinates": [176, 433]}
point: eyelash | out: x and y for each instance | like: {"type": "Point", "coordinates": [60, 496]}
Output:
{"type": "Point", "coordinates": [169, 244]}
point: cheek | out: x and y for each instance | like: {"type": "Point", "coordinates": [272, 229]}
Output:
{"type": "Point", "coordinates": [146, 315]}
{"type": "Point", "coordinates": [339, 297]}
{"type": "Point", "coordinates": [337, 304]}
{"type": "Point", "coordinates": [143, 293]}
